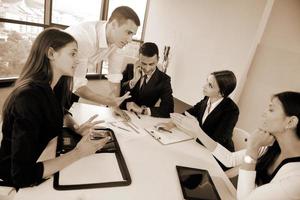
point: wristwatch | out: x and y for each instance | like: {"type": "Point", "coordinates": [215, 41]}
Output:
{"type": "Point", "coordinates": [249, 160]}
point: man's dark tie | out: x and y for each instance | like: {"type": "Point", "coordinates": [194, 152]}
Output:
{"type": "Point", "coordinates": [144, 82]}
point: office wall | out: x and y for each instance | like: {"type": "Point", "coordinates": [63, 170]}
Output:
{"type": "Point", "coordinates": [276, 65]}
{"type": "Point", "coordinates": [205, 35]}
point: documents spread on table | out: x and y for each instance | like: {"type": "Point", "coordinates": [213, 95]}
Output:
{"type": "Point", "coordinates": [126, 129]}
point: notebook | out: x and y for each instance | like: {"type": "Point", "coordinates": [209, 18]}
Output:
{"type": "Point", "coordinates": [168, 137]}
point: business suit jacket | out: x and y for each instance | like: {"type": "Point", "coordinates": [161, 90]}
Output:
{"type": "Point", "coordinates": [157, 87]}
{"type": "Point", "coordinates": [219, 124]}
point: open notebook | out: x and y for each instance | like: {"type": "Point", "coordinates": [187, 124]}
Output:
{"type": "Point", "coordinates": [166, 137]}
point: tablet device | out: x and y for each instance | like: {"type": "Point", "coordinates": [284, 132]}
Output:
{"type": "Point", "coordinates": [196, 184]}
{"type": "Point", "coordinates": [69, 139]}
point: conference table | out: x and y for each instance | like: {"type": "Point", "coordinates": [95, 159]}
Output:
{"type": "Point", "coordinates": [152, 166]}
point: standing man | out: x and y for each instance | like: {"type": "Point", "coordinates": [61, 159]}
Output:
{"type": "Point", "coordinates": [100, 40]}
{"type": "Point", "coordinates": [147, 84]}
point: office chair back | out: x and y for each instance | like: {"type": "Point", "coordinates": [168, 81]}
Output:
{"type": "Point", "coordinates": [240, 138]}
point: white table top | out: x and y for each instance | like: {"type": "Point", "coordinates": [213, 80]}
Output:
{"type": "Point", "coordinates": [151, 165]}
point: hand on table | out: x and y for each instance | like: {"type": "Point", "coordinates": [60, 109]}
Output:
{"type": "Point", "coordinates": [121, 113]}
{"type": "Point", "coordinates": [186, 122]}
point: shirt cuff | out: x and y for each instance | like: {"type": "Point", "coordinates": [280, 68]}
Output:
{"type": "Point", "coordinates": [227, 158]}
{"type": "Point", "coordinates": [246, 183]}
{"type": "Point", "coordinates": [114, 78]}
{"type": "Point", "coordinates": [79, 82]}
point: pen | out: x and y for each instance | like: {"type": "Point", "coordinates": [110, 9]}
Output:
{"type": "Point", "coordinates": [135, 114]}
{"type": "Point", "coordinates": [119, 127]}
{"type": "Point", "coordinates": [135, 130]}
{"type": "Point", "coordinates": [162, 129]}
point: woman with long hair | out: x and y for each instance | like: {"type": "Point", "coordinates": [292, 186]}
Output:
{"type": "Point", "coordinates": [271, 160]}
{"type": "Point", "coordinates": [33, 113]}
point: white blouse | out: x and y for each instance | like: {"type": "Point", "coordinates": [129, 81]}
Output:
{"type": "Point", "coordinates": [285, 184]}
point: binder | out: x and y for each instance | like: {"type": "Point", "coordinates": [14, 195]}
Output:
{"type": "Point", "coordinates": [110, 153]}
{"type": "Point", "coordinates": [168, 137]}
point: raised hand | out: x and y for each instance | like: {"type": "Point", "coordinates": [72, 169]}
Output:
{"type": "Point", "coordinates": [186, 122]}
{"type": "Point", "coordinates": [260, 138]}
{"type": "Point", "coordinates": [86, 146]}
{"type": "Point", "coordinates": [118, 100]}
{"type": "Point", "coordinates": [89, 125]}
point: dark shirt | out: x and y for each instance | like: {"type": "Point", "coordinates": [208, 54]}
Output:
{"type": "Point", "coordinates": [34, 118]}
{"type": "Point", "coordinates": [157, 87]}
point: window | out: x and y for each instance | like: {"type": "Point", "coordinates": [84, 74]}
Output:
{"type": "Point", "coordinates": [15, 44]}
{"type": "Point", "coordinates": [28, 11]}
{"type": "Point", "coordinates": [23, 20]}
{"type": "Point", "coordinates": [70, 12]}
{"type": "Point", "coordinates": [130, 52]}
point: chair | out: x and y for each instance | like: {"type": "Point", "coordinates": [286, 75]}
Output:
{"type": "Point", "coordinates": [239, 138]}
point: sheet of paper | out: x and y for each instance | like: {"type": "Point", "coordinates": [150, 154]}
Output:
{"type": "Point", "coordinates": [97, 168]}
{"type": "Point", "coordinates": [168, 138]}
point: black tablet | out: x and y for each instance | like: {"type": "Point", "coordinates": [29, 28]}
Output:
{"type": "Point", "coordinates": [196, 184]}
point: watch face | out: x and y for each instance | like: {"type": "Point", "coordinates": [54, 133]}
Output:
{"type": "Point", "coordinates": [249, 160]}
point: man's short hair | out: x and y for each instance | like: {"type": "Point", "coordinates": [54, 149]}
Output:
{"type": "Point", "coordinates": [149, 49]}
{"type": "Point", "coordinates": [123, 13]}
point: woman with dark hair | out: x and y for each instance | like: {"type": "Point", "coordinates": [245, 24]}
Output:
{"type": "Point", "coordinates": [33, 115]}
{"type": "Point", "coordinates": [216, 113]}
{"type": "Point", "coordinates": [272, 157]}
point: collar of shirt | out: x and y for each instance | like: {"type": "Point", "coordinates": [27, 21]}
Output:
{"type": "Point", "coordinates": [103, 51]}
{"type": "Point", "coordinates": [148, 76]}
{"type": "Point", "coordinates": [213, 105]}
{"type": "Point", "coordinates": [101, 30]}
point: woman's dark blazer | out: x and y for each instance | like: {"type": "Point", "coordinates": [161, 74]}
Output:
{"type": "Point", "coordinates": [220, 123]}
